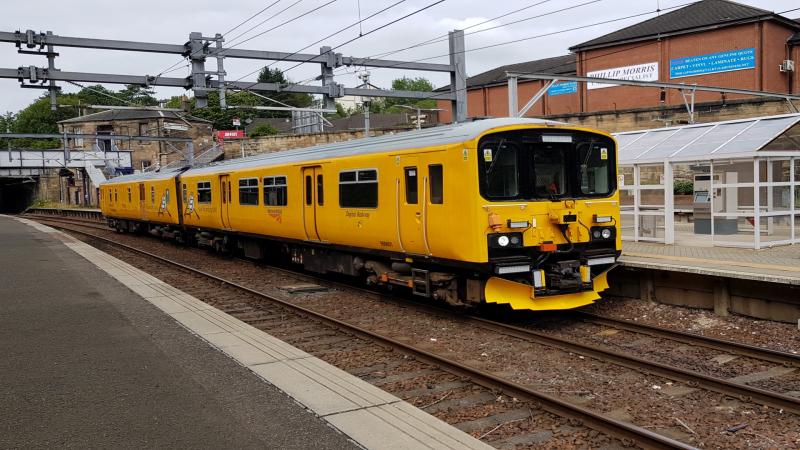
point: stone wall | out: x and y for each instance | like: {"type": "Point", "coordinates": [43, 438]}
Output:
{"type": "Point", "coordinates": [269, 144]}
{"type": "Point", "coordinates": [646, 118]}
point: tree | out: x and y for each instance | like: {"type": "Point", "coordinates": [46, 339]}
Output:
{"type": "Point", "coordinates": [39, 118]}
{"type": "Point", "coordinates": [410, 84]}
{"type": "Point", "coordinates": [296, 99]}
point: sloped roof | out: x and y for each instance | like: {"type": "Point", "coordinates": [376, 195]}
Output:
{"type": "Point", "coordinates": [132, 114]}
{"type": "Point", "coordinates": [703, 14]}
{"type": "Point", "coordinates": [706, 141]}
{"type": "Point", "coordinates": [559, 65]}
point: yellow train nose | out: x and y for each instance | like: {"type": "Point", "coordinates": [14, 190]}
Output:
{"type": "Point", "coordinates": [521, 296]}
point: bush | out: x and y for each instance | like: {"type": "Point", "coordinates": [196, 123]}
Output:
{"type": "Point", "coordinates": [683, 187]}
{"type": "Point", "coordinates": [263, 130]}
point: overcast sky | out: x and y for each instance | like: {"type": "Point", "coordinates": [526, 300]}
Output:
{"type": "Point", "coordinates": [172, 21]}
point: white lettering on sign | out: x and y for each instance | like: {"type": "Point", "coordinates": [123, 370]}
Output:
{"type": "Point", "coordinates": [639, 72]}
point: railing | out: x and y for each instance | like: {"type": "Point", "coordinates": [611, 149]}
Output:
{"type": "Point", "coordinates": [200, 160]}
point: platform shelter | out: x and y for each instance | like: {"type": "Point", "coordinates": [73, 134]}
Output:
{"type": "Point", "coordinates": [734, 183]}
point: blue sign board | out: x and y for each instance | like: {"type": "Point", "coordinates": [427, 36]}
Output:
{"type": "Point", "coordinates": [713, 63]}
{"type": "Point", "coordinates": [567, 87]}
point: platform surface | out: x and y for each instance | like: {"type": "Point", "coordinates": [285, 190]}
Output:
{"type": "Point", "coordinates": [777, 265]}
{"type": "Point", "coordinates": [88, 363]}
{"type": "Point", "coordinates": [120, 357]}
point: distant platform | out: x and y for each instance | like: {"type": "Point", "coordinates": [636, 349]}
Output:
{"type": "Point", "coordinates": [773, 265]}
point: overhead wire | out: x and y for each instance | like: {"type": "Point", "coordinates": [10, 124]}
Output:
{"type": "Point", "coordinates": [231, 40]}
{"type": "Point", "coordinates": [369, 32]}
{"type": "Point", "coordinates": [252, 17]}
{"type": "Point", "coordinates": [322, 39]}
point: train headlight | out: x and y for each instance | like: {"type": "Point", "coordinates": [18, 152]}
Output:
{"type": "Point", "coordinates": [603, 233]}
{"type": "Point", "coordinates": [505, 240]}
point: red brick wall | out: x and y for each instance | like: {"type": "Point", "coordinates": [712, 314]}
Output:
{"type": "Point", "coordinates": [768, 38]}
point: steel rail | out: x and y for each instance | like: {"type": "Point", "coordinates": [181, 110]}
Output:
{"type": "Point", "coordinates": [629, 433]}
{"type": "Point", "coordinates": [752, 351]}
{"type": "Point", "coordinates": [690, 377]}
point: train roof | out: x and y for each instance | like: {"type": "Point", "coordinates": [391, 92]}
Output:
{"type": "Point", "coordinates": [429, 137]}
{"type": "Point", "coordinates": [145, 176]}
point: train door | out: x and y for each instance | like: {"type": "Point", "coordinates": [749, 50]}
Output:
{"type": "Point", "coordinates": [141, 202]}
{"type": "Point", "coordinates": [408, 206]}
{"type": "Point", "coordinates": [225, 197]}
{"type": "Point", "coordinates": [311, 200]}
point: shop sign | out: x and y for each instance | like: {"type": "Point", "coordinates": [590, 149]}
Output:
{"type": "Point", "coordinates": [566, 87]}
{"type": "Point", "coordinates": [727, 61]}
{"type": "Point", "coordinates": [639, 72]}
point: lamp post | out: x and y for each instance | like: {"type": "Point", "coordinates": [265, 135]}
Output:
{"type": "Point", "coordinates": [419, 112]}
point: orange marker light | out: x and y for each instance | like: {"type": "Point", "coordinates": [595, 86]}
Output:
{"type": "Point", "coordinates": [494, 221]}
{"type": "Point", "coordinates": [548, 247]}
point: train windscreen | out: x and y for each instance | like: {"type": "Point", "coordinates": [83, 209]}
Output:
{"type": "Point", "coordinates": [545, 164]}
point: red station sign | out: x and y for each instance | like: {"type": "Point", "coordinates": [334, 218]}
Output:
{"type": "Point", "coordinates": [224, 135]}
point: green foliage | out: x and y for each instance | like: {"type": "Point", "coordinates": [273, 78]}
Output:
{"type": "Point", "coordinates": [409, 84]}
{"type": "Point", "coordinates": [223, 119]}
{"type": "Point", "coordinates": [683, 187]}
{"type": "Point", "coordinates": [264, 129]}
{"type": "Point", "coordinates": [39, 118]}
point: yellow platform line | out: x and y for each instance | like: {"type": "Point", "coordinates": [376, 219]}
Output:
{"type": "Point", "coordinates": [713, 261]}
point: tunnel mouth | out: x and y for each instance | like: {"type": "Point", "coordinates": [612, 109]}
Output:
{"type": "Point", "coordinates": [16, 194]}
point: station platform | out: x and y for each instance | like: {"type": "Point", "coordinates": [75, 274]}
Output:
{"type": "Point", "coordinates": [772, 265]}
{"type": "Point", "coordinates": [96, 353]}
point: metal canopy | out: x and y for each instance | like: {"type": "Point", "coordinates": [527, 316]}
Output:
{"type": "Point", "coordinates": [703, 142]}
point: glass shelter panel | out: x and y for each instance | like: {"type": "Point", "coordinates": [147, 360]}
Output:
{"type": "Point", "coordinates": [714, 139]}
{"type": "Point", "coordinates": [645, 143]}
{"type": "Point", "coordinates": [758, 135]}
{"type": "Point", "coordinates": [677, 141]}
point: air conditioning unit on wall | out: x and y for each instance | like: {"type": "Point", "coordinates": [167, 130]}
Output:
{"type": "Point", "coordinates": [787, 66]}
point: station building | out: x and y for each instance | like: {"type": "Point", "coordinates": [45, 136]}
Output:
{"type": "Point", "coordinates": [711, 42]}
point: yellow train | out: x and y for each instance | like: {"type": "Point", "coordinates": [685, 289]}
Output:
{"type": "Point", "coordinates": [523, 212]}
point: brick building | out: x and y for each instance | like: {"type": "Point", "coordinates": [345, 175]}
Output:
{"type": "Point", "coordinates": [711, 42]}
{"type": "Point", "coordinates": [142, 122]}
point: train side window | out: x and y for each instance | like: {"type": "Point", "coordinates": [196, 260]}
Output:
{"type": "Point", "coordinates": [185, 193]}
{"type": "Point", "coordinates": [248, 191]}
{"type": "Point", "coordinates": [116, 196]}
{"type": "Point", "coordinates": [436, 173]}
{"type": "Point", "coordinates": [153, 195]}
{"type": "Point", "coordinates": [358, 188]}
{"type": "Point", "coordinates": [309, 192]}
{"type": "Point", "coordinates": [275, 191]}
{"type": "Point", "coordinates": [110, 196]}
{"type": "Point", "coordinates": [130, 198]}
{"type": "Point", "coordinates": [141, 193]}
{"type": "Point", "coordinates": [412, 189]}
{"type": "Point", "coordinates": [320, 191]}
{"type": "Point", "coordinates": [203, 192]}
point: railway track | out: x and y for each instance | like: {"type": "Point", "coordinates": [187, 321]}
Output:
{"type": "Point", "coordinates": [561, 408]}
{"type": "Point", "coordinates": [578, 416]}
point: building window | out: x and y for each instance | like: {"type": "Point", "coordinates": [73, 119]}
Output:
{"type": "Point", "coordinates": [411, 186]}
{"type": "Point", "coordinates": [145, 165]}
{"type": "Point", "coordinates": [203, 192]}
{"type": "Point", "coordinates": [358, 188]}
{"type": "Point", "coordinates": [248, 191]}
{"type": "Point", "coordinates": [153, 195]}
{"type": "Point", "coordinates": [275, 191]}
{"type": "Point", "coordinates": [437, 183]}
{"type": "Point", "coordinates": [143, 130]}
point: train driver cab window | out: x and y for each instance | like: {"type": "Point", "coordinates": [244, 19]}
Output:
{"type": "Point", "coordinates": [203, 192]}
{"type": "Point", "coordinates": [549, 166]}
{"type": "Point", "coordinates": [153, 195]}
{"type": "Point", "coordinates": [436, 173]}
{"type": "Point", "coordinates": [358, 188]}
{"type": "Point", "coordinates": [596, 168]}
{"type": "Point", "coordinates": [412, 188]}
{"type": "Point", "coordinates": [248, 191]}
{"type": "Point", "coordinates": [275, 191]}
